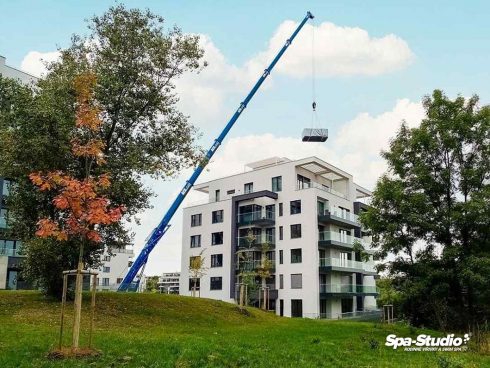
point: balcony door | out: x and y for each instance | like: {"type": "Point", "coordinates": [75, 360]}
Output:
{"type": "Point", "coordinates": [347, 305]}
{"type": "Point", "coordinates": [303, 182]}
{"type": "Point", "coordinates": [344, 259]}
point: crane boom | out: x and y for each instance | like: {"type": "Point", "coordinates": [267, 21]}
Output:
{"type": "Point", "coordinates": [159, 231]}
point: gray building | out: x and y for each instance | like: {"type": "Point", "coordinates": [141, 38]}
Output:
{"type": "Point", "coordinates": [10, 249]}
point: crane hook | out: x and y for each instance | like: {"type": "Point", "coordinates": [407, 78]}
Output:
{"type": "Point", "coordinates": [313, 105]}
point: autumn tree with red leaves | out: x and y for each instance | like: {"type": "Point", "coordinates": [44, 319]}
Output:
{"type": "Point", "coordinates": [81, 205]}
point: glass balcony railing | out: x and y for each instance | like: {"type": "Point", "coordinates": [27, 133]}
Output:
{"type": "Point", "coordinates": [337, 212]}
{"type": "Point", "coordinates": [339, 237]}
{"type": "Point", "coordinates": [11, 252]}
{"type": "Point", "coordinates": [304, 185]}
{"type": "Point", "coordinates": [251, 242]}
{"type": "Point", "coordinates": [347, 288]}
{"type": "Point", "coordinates": [346, 263]}
{"type": "Point", "coordinates": [249, 217]}
{"type": "Point", "coordinates": [249, 266]}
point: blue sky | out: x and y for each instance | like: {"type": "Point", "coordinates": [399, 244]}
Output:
{"type": "Point", "coordinates": [437, 44]}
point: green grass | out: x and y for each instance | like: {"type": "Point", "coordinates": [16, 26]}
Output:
{"type": "Point", "coordinates": [153, 330]}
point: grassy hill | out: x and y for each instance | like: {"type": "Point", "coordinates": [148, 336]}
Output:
{"type": "Point", "coordinates": [153, 330]}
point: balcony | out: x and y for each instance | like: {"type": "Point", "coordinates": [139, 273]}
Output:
{"type": "Point", "coordinates": [258, 218]}
{"type": "Point", "coordinates": [346, 265]}
{"type": "Point", "coordinates": [347, 289]}
{"type": "Point", "coordinates": [364, 315]}
{"type": "Point", "coordinates": [336, 239]}
{"type": "Point", "coordinates": [254, 265]}
{"type": "Point", "coordinates": [306, 185]}
{"type": "Point", "coordinates": [256, 242]}
{"type": "Point", "coordinates": [336, 216]}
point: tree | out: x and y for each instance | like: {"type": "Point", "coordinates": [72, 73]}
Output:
{"type": "Point", "coordinates": [197, 270]}
{"type": "Point", "coordinates": [152, 284]}
{"type": "Point", "coordinates": [80, 207]}
{"type": "Point", "coordinates": [432, 211]}
{"type": "Point", "coordinates": [136, 63]}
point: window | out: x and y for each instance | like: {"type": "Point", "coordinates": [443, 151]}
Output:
{"type": "Point", "coordinates": [216, 283]}
{"type": "Point", "coordinates": [281, 281]}
{"type": "Point", "coordinates": [296, 281]}
{"type": "Point", "coordinates": [297, 308]}
{"type": "Point", "coordinates": [280, 209]}
{"type": "Point", "coordinates": [303, 182]}
{"type": "Point", "coordinates": [130, 263]}
{"type": "Point", "coordinates": [194, 261]}
{"type": "Point", "coordinates": [217, 238]}
{"type": "Point", "coordinates": [296, 231]}
{"type": "Point", "coordinates": [248, 188]}
{"type": "Point", "coordinates": [107, 258]}
{"type": "Point", "coordinates": [106, 269]}
{"type": "Point", "coordinates": [232, 191]}
{"type": "Point", "coordinates": [195, 241]}
{"type": "Point", "coordinates": [296, 255]}
{"type": "Point", "coordinates": [196, 220]}
{"type": "Point", "coordinates": [105, 281]}
{"type": "Point", "coordinates": [3, 218]}
{"type": "Point", "coordinates": [217, 216]}
{"type": "Point", "coordinates": [295, 207]}
{"type": "Point", "coordinates": [277, 184]}
{"type": "Point", "coordinates": [217, 195]}
{"type": "Point", "coordinates": [6, 188]}
{"type": "Point", "coordinates": [281, 233]}
{"type": "Point", "coordinates": [119, 280]}
{"type": "Point", "coordinates": [194, 283]}
{"type": "Point", "coordinates": [216, 260]}
{"type": "Point", "coordinates": [281, 257]}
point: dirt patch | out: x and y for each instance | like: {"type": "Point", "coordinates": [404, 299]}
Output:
{"type": "Point", "coordinates": [66, 352]}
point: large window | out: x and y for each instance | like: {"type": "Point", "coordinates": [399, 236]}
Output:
{"type": "Point", "coordinates": [3, 218]}
{"type": "Point", "coordinates": [216, 283]}
{"type": "Point", "coordinates": [196, 220]}
{"type": "Point", "coordinates": [106, 269]}
{"type": "Point", "coordinates": [248, 188]}
{"type": "Point", "coordinates": [295, 207]}
{"type": "Point", "coordinates": [105, 281]}
{"type": "Point", "coordinates": [217, 238]}
{"type": "Point", "coordinates": [195, 241]}
{"type": "Point", "coordinates": [194, 283]}
{"type": "Point", "coordinates": [217, 216]}
{"type": "Point", "coordinates": [194, 261]}
{"type": "Point", "coordinates": [295, 231]}
{"type": "Point", "coordinates": [296, 281]}
{"type": "Point", "coordinates": [296, 308]}
{"type": "Point", "coordinates": [296, 255]}
{"type": "Point", "coordinates": [277, 184]}
{"type": "Point", "coordinates": [216, 260]}
{"type": "Point", "coordinates": [303, 182]}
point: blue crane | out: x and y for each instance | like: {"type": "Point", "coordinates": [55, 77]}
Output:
{"type": "Point", "coordinates": [128, 283]}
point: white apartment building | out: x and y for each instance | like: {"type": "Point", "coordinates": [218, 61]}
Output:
{"type": "Point", "coordinates": [10, 72]}
{"type": "Point", "coordinates": [114, 267]}
{"type": "Point", "coordinates": [168, 283]}
{"type": "Point", "coordinates": [306, 212]}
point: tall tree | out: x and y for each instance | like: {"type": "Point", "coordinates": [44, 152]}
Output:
{"type": "Point", "coordinates": [136, 63]}
{"type": "Point", "coordinates": [432, 211]}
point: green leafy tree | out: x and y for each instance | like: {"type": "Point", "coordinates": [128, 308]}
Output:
{"type": "Point", "coordinates": [432, 211]}
{"type": "Point", "coordinates": [152, 284]}
{"type": "Point", "coordinates": [136, 62]}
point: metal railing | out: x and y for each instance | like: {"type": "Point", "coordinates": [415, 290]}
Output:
{"type": "Point", "coordinates": [346, 263]}
{"type": "Point", "coordinates": [370, 313]}
{"type": "Point", "coordinates": [347, 288]}
{"type": "Point", "coordinates": [301, 186]}
{"type": "Point", "coordinates": [252, 265]}
{"type": "Point", "coordinates": [249, 217]}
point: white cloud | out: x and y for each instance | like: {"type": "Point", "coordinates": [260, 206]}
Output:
{"type": "Point", "coordinates": [35, 62]}
{"type": "Point", "coordinates": [338, 51]}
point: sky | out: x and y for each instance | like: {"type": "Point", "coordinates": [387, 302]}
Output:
{"type": "Point", "coordinates": [374, 62]}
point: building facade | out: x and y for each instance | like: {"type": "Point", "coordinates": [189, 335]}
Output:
{"type": "Point", "coordinates": [10, 248]}
{"type": "Point", "coordinates": [115, 265]}
{"type": "Point", "coordinates": [168, 283]}
{"type": "Point", "coordinates": [291, 227]}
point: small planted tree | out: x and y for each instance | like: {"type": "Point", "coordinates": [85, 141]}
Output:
{"type": "Point", "coordinates": [247, 272]}
{"type": "Point", "coordinates": [197, 270]}
{"type": "Point", "coordinates": [80, 208]}
{"type": "Point", "coordinates": [264, 272]}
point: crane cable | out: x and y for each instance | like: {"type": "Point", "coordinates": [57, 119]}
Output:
{"type": "Point", "coordinates": [314, 118]}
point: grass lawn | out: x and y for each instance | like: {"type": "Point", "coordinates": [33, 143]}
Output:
{"type": "Point", "coordinates": [153, 330]}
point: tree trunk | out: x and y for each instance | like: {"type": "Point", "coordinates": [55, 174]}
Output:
{"type": "Point", "coordinates": [242, 287]}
